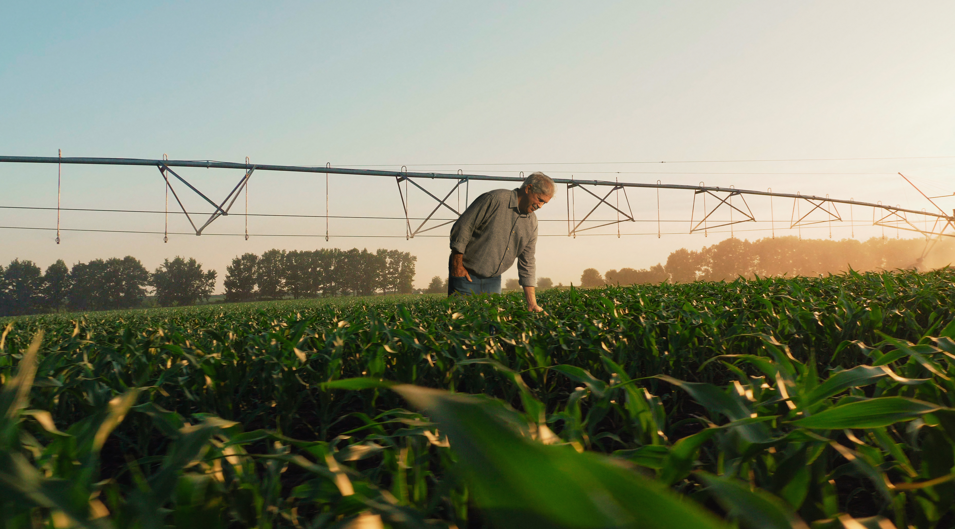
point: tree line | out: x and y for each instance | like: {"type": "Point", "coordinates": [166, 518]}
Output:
{"type": "Point", "coordinates": [326, 272]}
{"type": "Point", "coordinates": [781, 256]}
{"type": "Point", "coordinates": [124, 283]}
{"type": "Point", "coordinates": [101, 284]}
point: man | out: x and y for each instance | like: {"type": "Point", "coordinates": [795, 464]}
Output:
{"type": "Point", "coordinates": [497, 228]}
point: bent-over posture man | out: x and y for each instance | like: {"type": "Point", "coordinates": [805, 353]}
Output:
{"type": "Point", "coordinates": [498, 227]}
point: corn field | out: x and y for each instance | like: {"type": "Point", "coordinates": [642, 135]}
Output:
{"type": "Point", "coordinates": [805, 402]}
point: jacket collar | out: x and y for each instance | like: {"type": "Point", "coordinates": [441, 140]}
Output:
{"type": "Point", "coordinates": [515, 204]}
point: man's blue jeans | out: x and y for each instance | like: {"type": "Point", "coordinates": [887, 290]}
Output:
{"type": "Point", "coordinates": [478, 285]}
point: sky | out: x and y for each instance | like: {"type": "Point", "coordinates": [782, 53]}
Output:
{"type": "Point", "coordinates": [820, 98]}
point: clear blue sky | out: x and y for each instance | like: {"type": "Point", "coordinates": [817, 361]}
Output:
{"type": "Point", "coordinates": [528, 84]}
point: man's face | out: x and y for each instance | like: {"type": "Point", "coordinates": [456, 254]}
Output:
{"type": "Point", "coordinates": [529, 201]}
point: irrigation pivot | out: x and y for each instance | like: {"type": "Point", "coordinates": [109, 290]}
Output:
{"type": "Point", "coordinates": [942, 223]}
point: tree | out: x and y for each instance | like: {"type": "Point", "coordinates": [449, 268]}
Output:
{"type": "Point", "coordinates": [543, 283]}
{"type": "Point", "coordinates": [683, 266]}
{"type": "Point", "coordinates": [367, 270]}
{"type": "Point", "coordinates": [628, 276]}
{"type": "Point", "coordinates": [345, 265]}
{"type": "Point", "coordinates": [111, 284]}
{"type": "Point", "coordinates": [728, 260]}
{"type": "Point", "coordinates": [180, 282]}
{"type": "Point", "coordinates": [398, 271]}
{"type": "Point", "coordinates": [591, 278]}
{"type": "Point", "coordinates": [299, 281]}
{"type": "Point", "coordinates": [270, 274]}
{"type": "Point", "coordinates": [512, 284]}
{"type": "Point", "coordinates": [87, 284]}
{"type": "Point", "coordinates": [240, 278]}
{"type": "Point", "coordinates": [56, 286]}
{"type": "Point", "coordinates": [405, 273]}
{"type": "Point", "coordinates": [324, 263]}
{"type": "Point", "coordinates": [128, 279]}
{"type": "Point", "coordinates": [22, 285]}
{"type": "Point", "coordinates": [437, 286]}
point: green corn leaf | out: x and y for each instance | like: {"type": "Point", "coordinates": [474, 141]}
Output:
{"type": "Point", "coordinates": [356, 383]}
{"type": "Point", "coordinates": [731, 405]}
{"type": "Point", "coordinates": [948, 331]}
{"type": "Point", "coordinates": [755, 509]}
{"type": "Point", "coordinates": [843, 380]}
{"type": "Point", "coordinates": [869, 413]}
{"type": "Point", "coordinates": [519, 483]}
{"type": "Point", "coordinates": [21, 481]}
{"type": "Point", "coordinates": [679, 462]}
{"type": "Point", "coordinates": [650, 456]}
{"type": "Point", "coordinates": [16, 392]}
{"type": "Point", "coordinates": [198, 503]}
{"type": "Point", "coordinates": [792, 477]}
{"type": "Point", "coordinates": [584, 377]}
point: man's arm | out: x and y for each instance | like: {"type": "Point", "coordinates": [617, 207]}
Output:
{"type": "Point", "coordinates": [457, 266]}
{"type": "Point", "coordinates": [527, 272]}
{"type": "Point", "coordinates": [531, 300]}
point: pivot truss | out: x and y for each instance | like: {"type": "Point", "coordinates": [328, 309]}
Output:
{"type": "Point", "coordinates": [406, 196]}
{"type": "Point", "coordinates": [731, 202]}
{"type": "Point", "coordinates": [165, 171]}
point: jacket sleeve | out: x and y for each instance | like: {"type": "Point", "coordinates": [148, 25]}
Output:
{"type": "Point", "coordinates": [473, 217]}
{"type": "Point", "coordinates": [527, 263]}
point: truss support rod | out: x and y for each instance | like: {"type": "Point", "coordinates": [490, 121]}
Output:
{"type": "Point", "coordinates": [162, 171]}
{"type": "Point", "coordinates": [404, 204]}
{"type": "Point", "coordinates": [59, 182]}
{"type": "Point", "coordinates": [659, 228]}
{"type": "Point", "coordinates": [190, 186]}
{"type": "Point", "coordinates": [816, 206]}
{"type": "Point", "coordinates": [749, 215]}
{"type": "Point", "coordinates": [435, 210]}
{"type": "Point", "coordinates": [327, 166]}
{"type": "Point", "coordinates": [772, 216]}
{"type": "Point", "coordinates": [234, 194]}
{"type": "Point", "coordinates": [600, 201]}
{"type": "Point", "coordinates": [165, 232]}
{"type": "Point", "coordinates": [901, 218]}
{"type": "Point", "coordinates": [440, 202]}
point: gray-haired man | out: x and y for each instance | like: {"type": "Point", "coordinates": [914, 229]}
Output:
{"type": "Point", "coordinates": [497, 228]}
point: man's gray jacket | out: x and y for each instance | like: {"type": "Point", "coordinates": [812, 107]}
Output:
{"type": "Point", "coordinates": [492, 232]}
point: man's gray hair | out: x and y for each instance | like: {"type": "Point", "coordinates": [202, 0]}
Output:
{"type": "Point", "coordinates": [540, 184]}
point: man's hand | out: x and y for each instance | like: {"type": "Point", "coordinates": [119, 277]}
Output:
{"type": "Point", "coordinates": [457, 266]}
{"type": "Point", "coordinates": [532, 300]}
